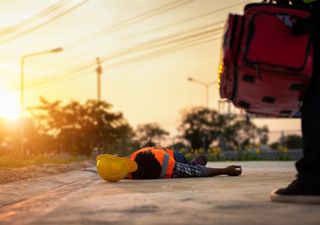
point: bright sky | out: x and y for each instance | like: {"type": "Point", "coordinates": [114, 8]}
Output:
{"type": "Point", "coordinates": [148, 50]}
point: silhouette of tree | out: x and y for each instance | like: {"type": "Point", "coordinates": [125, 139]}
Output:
{"type": "Point", "coordinates": [294, 141]}
{"type": "Point", "coordinates": [81, 128]}
{"type": "Point", "coordinates": [263, 135]}
{"type": "Point", "coordinates": [227, 140]}
{"type": "Point", "coordinates": [245, 132]}
{"type": "Point", "coordinates": [200, 126]}
{"type": "Point", "coordinates": [148, 133]}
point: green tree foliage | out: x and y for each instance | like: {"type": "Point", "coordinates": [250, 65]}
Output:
{"type": "Point", "coordinates": [237, 133]}
{"type": "Point", "coordinates": [202, 126]}
{"type": "Point", "coordinates": [150, 133]}
{"type": "Point", "coordinates": [263, 135]}
{"type": "Point", "coordinates": [275, 145]}
{"type": "Point", "coordinates": [245, 133]}
{"type": "Point", "coordinates": [291, 141]}
{"type": "Point", "coordinates": [81, 128]}
{"type": "Point", "coordinates": [294, 141]}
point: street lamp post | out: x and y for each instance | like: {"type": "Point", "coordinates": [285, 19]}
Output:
{"type": "Point", "coordinates": [206, 85]}
{"type": "Point", "coordinates": [22, 63]}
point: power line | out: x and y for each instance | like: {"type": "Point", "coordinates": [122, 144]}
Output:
{"type": "Point", "coordinates": [137, 35]}
{"type": "Point", "coordinates": [149, 45]}
{"type": "Point", "coordinates": [131, 21]}
{"type": "Point", "coordinates": [164, 27]}
{"type": "Point", "coordinates": [139, 58]}
{"type": "Point", "coordinates": [33, 18]}
{"type": "Point", "coordinates": [171, 39]}
{"type": "Point", "coordinates": [166, 51]}
{"type": "Point", "coordinates": [53, 78]}
{"type": "Point", "coordinates": [66, 11]}
{"type": "Point", "coordinates": [158, 41]}
{"type": "Point", "coordinates": [128, 22]}
{"type": "Point", "coordinates": [145, 16]}
{"type": "Point", "coordinates": [165, 41]}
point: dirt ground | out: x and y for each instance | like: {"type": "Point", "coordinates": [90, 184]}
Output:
{"type": "Point", "coordinates": [14, 174]}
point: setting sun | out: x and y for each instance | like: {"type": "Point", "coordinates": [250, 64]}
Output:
{"type": "Point", "coordinates": [9, 104]}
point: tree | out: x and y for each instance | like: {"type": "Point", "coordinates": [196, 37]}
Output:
{"type": "Point", "coordinates": [245, 133]}
{"type": "Point", "coordinates": [200, 126]}
{"type": "Point", "coordinates": [263, 135]}
{"type": "Point", "coordinates": [81, 128]}
{"type": "Point", "coordinates": [149, 132]}
{"type": "Point", "coordinates": [227, 138]}
{"type": "Point", "coordinates": [294, 141]}
{"type": "Point", "coordinates": [275, 145]}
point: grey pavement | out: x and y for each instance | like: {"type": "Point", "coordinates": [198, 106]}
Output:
{"type": "Point", "coordinates": [81, 197]}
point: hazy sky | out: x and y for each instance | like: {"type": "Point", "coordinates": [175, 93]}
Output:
{"type": "Point", "coordinates": [148, 50]}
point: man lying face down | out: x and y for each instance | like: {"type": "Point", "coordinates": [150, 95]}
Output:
{"type": "Point", "coordinates": [158, 162]}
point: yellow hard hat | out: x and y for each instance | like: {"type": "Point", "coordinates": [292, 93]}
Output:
{"type": "Point", "coordinates": [113, 168]}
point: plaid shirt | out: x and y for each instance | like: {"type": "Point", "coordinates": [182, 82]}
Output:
{"type": "Point", "coordinates": [187, 170]}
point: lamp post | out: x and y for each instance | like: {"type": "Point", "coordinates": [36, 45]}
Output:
{"type": "Point", "coordinates": [22, 63]}
{"type": "Point", "coordinates": [206, 85]}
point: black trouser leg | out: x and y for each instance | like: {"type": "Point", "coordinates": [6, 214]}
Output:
{"type": "Point", "coordinates": [309, 166]}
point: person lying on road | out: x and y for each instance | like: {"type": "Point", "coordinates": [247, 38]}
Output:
{"type": "Point", "coordinates": [158, 162]}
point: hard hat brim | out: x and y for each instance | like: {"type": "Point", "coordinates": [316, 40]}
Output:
{"type": "Point", "coordinates": [132, 165]}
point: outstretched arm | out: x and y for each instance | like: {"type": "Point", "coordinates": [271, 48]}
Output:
{"type": "Point", "coordinates": [230, 171]}
{"type": "Point", "coordinates": [188, 170]}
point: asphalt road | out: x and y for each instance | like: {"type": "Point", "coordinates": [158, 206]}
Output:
{"type": "Point", "coordinates": [81, 197]}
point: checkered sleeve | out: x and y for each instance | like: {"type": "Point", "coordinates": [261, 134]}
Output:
{"type": "Point", "coordinates": [188, 170]}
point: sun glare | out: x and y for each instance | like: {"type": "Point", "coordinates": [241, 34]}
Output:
{"type": "Point", "coordinates": [9, 104]}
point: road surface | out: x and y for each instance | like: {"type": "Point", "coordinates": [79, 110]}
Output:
{"type": "Point", "coordinates": [81, 197]}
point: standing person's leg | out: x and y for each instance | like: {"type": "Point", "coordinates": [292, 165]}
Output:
{"type": "Point", "coordinates": [309, 165]}
{"type": "Point", "coordinates": [306, 188]}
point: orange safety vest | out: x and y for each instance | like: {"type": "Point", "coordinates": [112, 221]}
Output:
{"type": "Point", "coordinates": [164, 156]}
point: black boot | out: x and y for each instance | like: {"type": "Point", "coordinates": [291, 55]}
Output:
{"type": "Point", "coordinates": [297, 192]}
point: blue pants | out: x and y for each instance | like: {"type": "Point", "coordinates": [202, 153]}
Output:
{"type": "Point", "coordinates": [180, 158]}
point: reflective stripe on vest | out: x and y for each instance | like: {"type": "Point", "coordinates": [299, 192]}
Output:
{"type": "Point", "coordinates": [164, 165]}
{"type": "Point", "coordinates": [164, 156]}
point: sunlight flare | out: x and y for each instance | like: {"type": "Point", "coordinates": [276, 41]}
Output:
{"type": "Point", "coordinates": [9, 104]}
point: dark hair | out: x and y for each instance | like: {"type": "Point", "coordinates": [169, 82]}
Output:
{"type": "Point", "coordinates": [148, 166]}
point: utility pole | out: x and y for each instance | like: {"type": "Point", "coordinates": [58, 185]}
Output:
{"type": "Point", "coordinates": [99, 74]}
